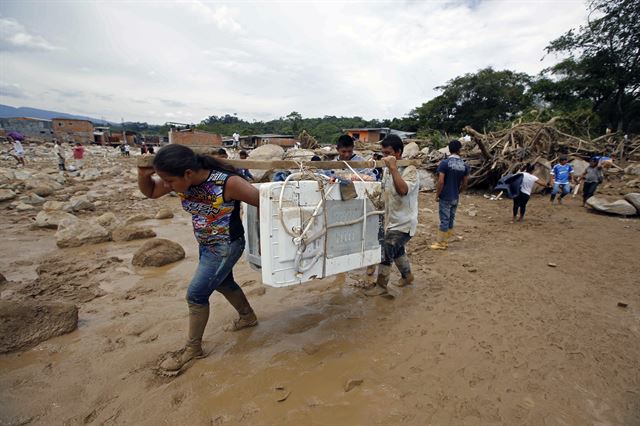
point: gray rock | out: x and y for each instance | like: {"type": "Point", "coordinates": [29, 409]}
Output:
{"type": "Point", "coordinates": [427, 180]}
{"type": "Point", "coordinates": [267, 152]}
{"type": "Point", "coordinates": [80, 233]}
{"type": "Point", "coordinates": [54, 205]}
{"type": "Point", "coordinates": [579, 166]}
{"type": "Point", "coordinates": [90, 174]}
{"type": "Point", "coordinates": [43, 191]}
{"type": "Point", "coordinates": [33, 199]}
{"type": "Point", "coordinates": [620, 207]}
{"type": "Point", "coordinates": [51, 219]}
{"type": "Point", "coordinates": [129, 233]}
{"type": "Point", "coordinates": [107, 220]}
{"type": "Point", "coordinates": [136, 218]}
{"type": "Point", "coordinates": [410, 150]}
{"type": "Point", "coordinates": [633, 169]}
{"type": "Point", "coordinates": [158, 252]}
{"type": "Point", "coordinates": [25, 324]}
{"type": "Point", "coordinates": [80, 202]}
{"type": "Point", "coordinates": [7, 194]}
{"type": "Point", "coordinates": [164, 214]}
{"type": "Point", "coordinates": [299, 154]}
{"type": "Point", "coordinates": [634, 199]}
{"type": "Point", "coordinates": [23, 207]}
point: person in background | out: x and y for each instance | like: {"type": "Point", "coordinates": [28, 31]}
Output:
{"type": "Point", "coordinates": [78, 155]}
{"type": "Point", "coordinates": [378, 171]}
{"type": "Point", "coordinates": [221, 154]}
{"type": "Point", "coordinates": [345, 148]}
{"type": "Point", "coordinates": [18, 149]}
{"type": "Point", "coordinates": [127, 150]}
{"type": "Point", "coordinates": [211, 192]}
{"type": "Point", "coordinates": [400, 194]}
{"type": "Point", "coordinates": [236, 139]}
{"type": "Point", "coordinates": [58, 150]}
{"type": "Point", "coordinates": [561, 176]}
{"type": "Point", "coordinates": [143, 148]}
{"type": "Point", "coordinates": [520, 202]}
{"type": "Point", "coordinates": [453, 174]}
{"type": "Point", "coordinates": [151, 149]}
{"type": "Point", "coordinates": [245, 172]}
{"type": "Point", "coordinates": [591, 178]}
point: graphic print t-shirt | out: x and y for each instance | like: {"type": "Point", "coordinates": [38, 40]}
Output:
{"type": "Point", "coordinates": [215, 221]}
{"type": "Point", "coordinates": [561, 173]}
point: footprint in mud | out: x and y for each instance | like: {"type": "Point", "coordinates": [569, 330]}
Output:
{"type": "Point", "coordinates": [303, 323]}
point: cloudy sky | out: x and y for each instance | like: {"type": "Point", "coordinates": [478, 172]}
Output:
{"type": "Point", "coordinates": [183, 61]}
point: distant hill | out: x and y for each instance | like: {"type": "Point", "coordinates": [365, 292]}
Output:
{"type": "Point", "coordinates": [7, 111]}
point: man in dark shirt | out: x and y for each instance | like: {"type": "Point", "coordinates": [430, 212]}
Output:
{"type": "Point", "coordinates": [453, 174]}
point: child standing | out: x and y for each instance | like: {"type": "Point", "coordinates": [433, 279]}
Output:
{"type": "Point", "coordinates": [78, 155]}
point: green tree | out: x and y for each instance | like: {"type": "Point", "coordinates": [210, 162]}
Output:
{"type": "Point", "coordinates": [480, 100]}
{"type": "Point", "coordinates": [603, 63]}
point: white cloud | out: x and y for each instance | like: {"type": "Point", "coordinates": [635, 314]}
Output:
{"type": "Point", "coordinates": [13, 35]}
{"type": "Point", "coordinates": [262, 60]}
{"type": "Point", "coordinates": [220, 16]}
{"type": "Point", "coordinates": [12, 90]}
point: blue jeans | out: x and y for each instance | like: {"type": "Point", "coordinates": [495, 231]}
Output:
{"type": "Point", "coordinates": [566, 188]}
{"type": "Point", "coordinates": [447, 212]}
{"type": "Point", "coordinates": [393, 246]}
{"type": "Point", "coordinates": [215, 271]}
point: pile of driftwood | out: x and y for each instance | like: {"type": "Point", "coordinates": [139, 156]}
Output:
{"type": "Point", "coordinates": [495, 154]}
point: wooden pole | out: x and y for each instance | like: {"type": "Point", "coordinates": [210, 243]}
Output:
{"type": "Point", "coordinates": [147, 161]}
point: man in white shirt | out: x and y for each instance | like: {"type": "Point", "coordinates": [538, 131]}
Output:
{"type": "Point", "coordinates": [526, 187]}
{"type": "Point", "coordinates": [400, 194]}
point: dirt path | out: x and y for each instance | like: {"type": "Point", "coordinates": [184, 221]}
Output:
{"type": "Point", "coordinates": [488, 334]}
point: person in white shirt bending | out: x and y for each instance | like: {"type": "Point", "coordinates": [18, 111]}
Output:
{"type": "Point", "coordinates": [520, 202]}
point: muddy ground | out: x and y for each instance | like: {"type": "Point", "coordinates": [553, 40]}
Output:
{"type": "Point", "coordinates": [488, 334]}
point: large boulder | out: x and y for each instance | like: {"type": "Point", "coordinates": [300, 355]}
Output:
{"type": "Point", "coordinates": [80, 233]}
{"type": "Point", "coordinates": [579, 166]}
{"type": "Point", "coordinates": [267, 152]}
{"type": "Point", "coordinates": [634, 199]}
{"type": "Point", "coordinates": [427, 180]}
{"type": "Point", "coordinates": [158, 252]}
{"type": "Point", "coordinates": [51, 219]}
{"type": "Point", "coordinates": [410, 150]}
{"type": "Point", "coordinates": [7, 194]}
{"type": "Point", "coordinates": [43, 191]}
{"type": "Point", "coordinates": [620, 207]}
{"type": "Point", "coordinates": [299, 154]}
{"type": "Point", "coordinates": [79, 203]}
{"type": "Point", "coordinates": [131, 232]}
{"type": "Point", "coordinates": [25, 324]}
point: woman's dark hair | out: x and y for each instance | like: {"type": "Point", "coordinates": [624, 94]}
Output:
{"type": "Point", "coordinates": [394, 142]}
{"type": "Point", "coordinates": [315, 158]}
{"type": "Point", "coordinates": [176, 159]}
{"type": "Point", "coordinates": [529, 167]}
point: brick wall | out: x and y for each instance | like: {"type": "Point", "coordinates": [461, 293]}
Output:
{"type": "Point", "coordinates": [72, 130]}
{"type": "Point", "coordinates": [196, 138]}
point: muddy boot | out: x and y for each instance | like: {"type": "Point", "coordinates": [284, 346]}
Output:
{"type": "Point", "coordinates": [247, 318]}
{"type": "Point", "coordinates": [371, 269]}
{"type": "Point", "coordinates": [175, 362]}
{"type": "Point", "coordinates": [442, 243]}
{"type": "Point", "coordinates": [404, 266]}
{"type": "Point", "coordinates": [384, 271]}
